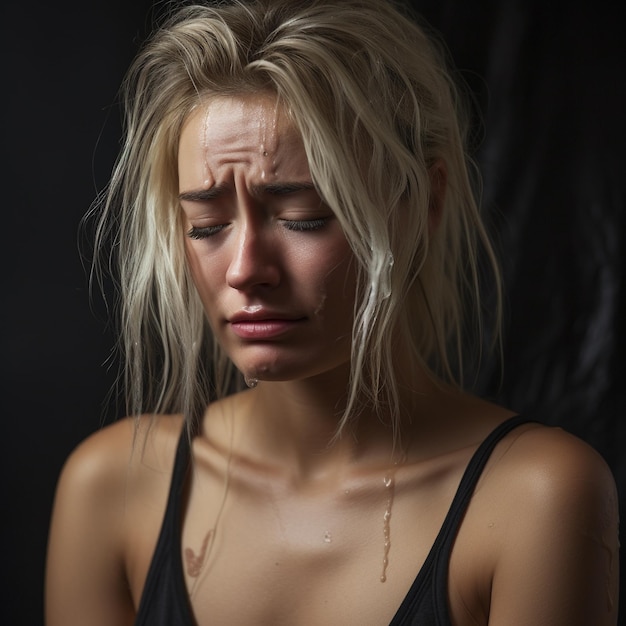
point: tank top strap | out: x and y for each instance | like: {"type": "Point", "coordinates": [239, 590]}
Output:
{"type": "Point", "coordinates": [164, 599]}
{"type": "Point", "coordinates": [450, 527]}
{"type": "Point", "coordinates": [426, 603]}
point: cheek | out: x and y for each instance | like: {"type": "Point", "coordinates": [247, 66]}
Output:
{"type": "Point", "coordinates": [337, 285]}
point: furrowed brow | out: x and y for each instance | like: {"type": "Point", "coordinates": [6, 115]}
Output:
{"type": "Point", "coordinates": [272, 189]}
{"type": "Point", "coordinates": [281, 189]}
{"type": "Point", "coordinates": [202, 195]}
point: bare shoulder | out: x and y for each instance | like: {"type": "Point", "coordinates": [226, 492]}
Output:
{"type": "Point", "coordinates": [558, 545]}
{"type": "Point", "coordinates": [99, 460]}
{"type": "Point", "coordinates": [87, 572]}
{"type": "Point", "coordinates": [549, 479]}
{"type": "Point", "coordinates": [555, 468]}
{"type": "Point", "coordinates": [108, 457]}
{"type": "Point", "coordinates": [114, 470]}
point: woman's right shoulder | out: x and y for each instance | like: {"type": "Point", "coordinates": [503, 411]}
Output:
{"type": "Point", "coordinates": [120, 453]}
{"type": "Point", "coordinates": [103, 475]}
{"type": "Point", "coordinates": [113, 483]}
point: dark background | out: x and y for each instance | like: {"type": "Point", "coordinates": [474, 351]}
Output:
{"type": "Point", "coordinates": [550, 86]}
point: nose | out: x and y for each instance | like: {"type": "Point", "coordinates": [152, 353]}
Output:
{"type": "Point", "coordinates": [254, 264]}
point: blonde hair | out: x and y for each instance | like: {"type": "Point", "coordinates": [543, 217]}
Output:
{"type": "Point", "coordinates": [380, 117]}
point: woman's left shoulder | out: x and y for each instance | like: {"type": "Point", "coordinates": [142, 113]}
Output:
{"type": "Point", "coordinates": [550, 463]}
{"type": "Point", "coordinates": [553, 522]}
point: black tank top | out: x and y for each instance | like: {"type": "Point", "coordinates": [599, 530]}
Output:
{"type": "Point", "coordinates": [165, 601]}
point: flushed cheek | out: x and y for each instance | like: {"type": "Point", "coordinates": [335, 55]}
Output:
{"type": "Point", "coordinates": [336, 295]}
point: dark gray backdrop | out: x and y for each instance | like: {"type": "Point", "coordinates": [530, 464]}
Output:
{"type": "Point", "coordinates": [550, 87]}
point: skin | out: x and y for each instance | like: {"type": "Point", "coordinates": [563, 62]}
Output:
{"type": "Point", "coordinates": [263, 245]}
{"type": "Point", "coordinates": [301, 527]}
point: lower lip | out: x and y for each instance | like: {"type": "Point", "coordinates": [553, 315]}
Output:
{"type": "Point", "coordinates": [263, 329]}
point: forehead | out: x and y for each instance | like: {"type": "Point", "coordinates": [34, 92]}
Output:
{"type": "Point", "coordinates": [259, 119]}
{"type": "Point", "coordinates": [250, 134]}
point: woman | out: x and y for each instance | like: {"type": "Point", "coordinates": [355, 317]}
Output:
{"type": "Point", "coordinates": [293, 221]}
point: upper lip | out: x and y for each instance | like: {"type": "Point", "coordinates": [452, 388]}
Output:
{"type": "Point", "coordinates": [262, 315]}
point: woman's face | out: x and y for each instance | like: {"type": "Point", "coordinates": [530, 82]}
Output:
{"type": "Point", "coordinates": [268, 257]}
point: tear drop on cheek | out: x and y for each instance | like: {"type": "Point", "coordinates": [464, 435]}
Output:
{"type": "Point", "coordinates": [320, 307]}
{"type": "Point", "coordinates": [251, 382]}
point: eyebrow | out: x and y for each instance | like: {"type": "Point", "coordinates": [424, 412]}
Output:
{"type": "Point", "coordinates": [272, 189]}
{"type": "Point", "coordinates": [281, 189]}
{"type": "Point", "coordinates": [200, 195]}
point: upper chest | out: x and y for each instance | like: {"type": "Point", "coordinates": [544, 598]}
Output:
{"type": "Point", "coordinates": [268, 556]}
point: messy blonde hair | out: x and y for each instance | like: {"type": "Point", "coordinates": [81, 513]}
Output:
{"type": "Point", "coordinates": [380, 118]}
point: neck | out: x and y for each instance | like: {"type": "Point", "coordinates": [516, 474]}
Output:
{"type": "Point", "coordinates": [295, 423]}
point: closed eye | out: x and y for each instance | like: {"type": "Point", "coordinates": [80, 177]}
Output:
{"type": "Point", "coordinates": [305, 225]}
{"type": "Point", "coordinates": [207, 231]}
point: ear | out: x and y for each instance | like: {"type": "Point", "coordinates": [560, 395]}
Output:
{"type": "Point", "coordinates": [438, 173]}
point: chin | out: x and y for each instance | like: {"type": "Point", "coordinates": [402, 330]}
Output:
{"type": "Point", "coordinates": [294, 372]}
